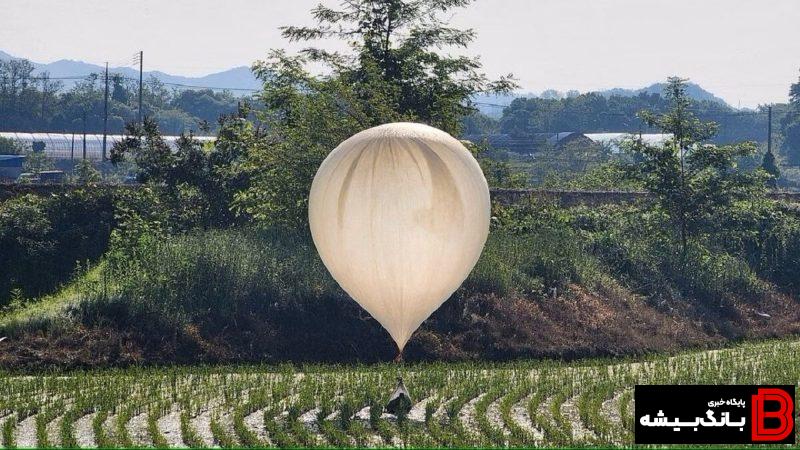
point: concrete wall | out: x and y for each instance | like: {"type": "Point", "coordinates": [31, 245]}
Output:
{"type": "Point", "coordinates": [503, 196]}
{"type": "Point", "coordinates": [567, 198]}
{"type": "Point", "coordinates": [572, 198]}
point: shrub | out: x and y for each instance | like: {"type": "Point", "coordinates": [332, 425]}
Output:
{"type": "Point", "coordinates": [637, 248]}
{"type": "Point", "coordinates": [9, 147]}
{"type": "Point", "coordinates": [214, 278]}
{"type": "Point", "coordinates": [531, 264]}
{"type": "Point", "coordinates": [44, 238]}
{"type": "Point", "coordinates": [85, 173]}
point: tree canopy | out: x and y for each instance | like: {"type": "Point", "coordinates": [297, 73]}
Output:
{"type": "Point", "coordinates": [697, 184]}
{"type": "Point", "coordinates": [791, 126]}
{"type": "Point", "coordinates": [34, 102]}
{"type": "Point", "coordinates": [594, 113]}
{"type": "Point", "coordinates": [396, 70]}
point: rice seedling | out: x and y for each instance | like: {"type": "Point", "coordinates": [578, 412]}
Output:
{"type": "Point", "coordinates": [188, 434]}
{"type": "Point", "coordinates": [221, 436]}
{"type": "Point", "coordinates": [478, 404]}
{"type": "Point", "coordinates": [9, 426]}
{"type": "Point", "coordinates": [518, 436]}
{"type": "Point", "coordinates": [66, 429]}
{"type": "Point", "coordinates": [42, 419]}
{"type": "Point", "coordinates": [493, 435]}
{"type": "Point", "coordinates": [152, 427]}
{"type": "Point", "coordinates": [121, 431]}
{"type": "Point", "coordinates": [102, 439]}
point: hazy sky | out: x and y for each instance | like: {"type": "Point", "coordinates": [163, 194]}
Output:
{"type": "Point", "coordinates": [746, 51]}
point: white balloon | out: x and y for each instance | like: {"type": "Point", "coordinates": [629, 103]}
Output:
{"type": "Point", "coordinates": [399, 214]}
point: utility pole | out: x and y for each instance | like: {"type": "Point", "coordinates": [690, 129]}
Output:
{"type": "Point", "coordinates": [769, 129]}
{"type": "Point", "coordinates": [44, 95]}
{"type": "Point", "coordinates": [105, 115]}
{"type": "Point", "coordinates": [84, 135]}
{"type": "Point", "coordinates": [141, 64]}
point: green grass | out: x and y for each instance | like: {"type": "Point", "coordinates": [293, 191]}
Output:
{"type": "Point", "coordinates": [283, 394]}
{"type": "Point", "coordinates": [50, 309]}
{"type": "Point", "coordinates": [217, 277]}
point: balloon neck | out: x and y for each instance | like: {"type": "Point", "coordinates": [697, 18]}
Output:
{"type": "Point", "coordinates": [399, 357]}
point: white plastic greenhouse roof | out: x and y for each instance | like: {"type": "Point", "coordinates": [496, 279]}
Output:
{"type": "Point", "coordinates": [67, 145]}
{"type": "Point", "coordinates": [614, 140]}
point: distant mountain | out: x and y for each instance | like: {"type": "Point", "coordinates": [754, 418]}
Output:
{"type": "Point", "coordinates": [695, 92]}
{"type": "Point", "coordinates": [236, 78]}
{"type": "Point", "coordinates": [492, 105]}
{"type": "Point", "coordinates": [242, 78]}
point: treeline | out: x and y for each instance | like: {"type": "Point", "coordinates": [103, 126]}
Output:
{"type": "Point", "coordinates": [790, 126]}
{"type": "Point", "coordinates": [595, 113]}
{"type": "Point", "coordinates": [37, 103]}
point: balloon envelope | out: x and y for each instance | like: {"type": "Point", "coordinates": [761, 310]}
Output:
{"type": "Point", "coordinates": [399, 214]}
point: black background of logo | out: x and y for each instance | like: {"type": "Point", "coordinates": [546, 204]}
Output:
{"type": "Point", "coordinates": [687, 402]}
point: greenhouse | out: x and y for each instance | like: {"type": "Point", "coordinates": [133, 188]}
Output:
{"type": "Point", "coordinates": [615, 140]}
{"type": "Point", "coordinates": [71, 145]}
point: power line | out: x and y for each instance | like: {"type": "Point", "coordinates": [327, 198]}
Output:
{"type": "Point", "coordinates": [226, 88]}
{"type": "Point", "coordinates": [141, 65]}
{"type": "Point", "coordinates": [75, 77]}
{"type": "Point", "coordinates": [123, 77]}
{"type": "Point", "coordinates": [210, 87]}
{"type": "Point", "coordinates": [705, 113]}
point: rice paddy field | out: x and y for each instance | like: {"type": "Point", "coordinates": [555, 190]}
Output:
{"type": "Point", "coordinates": [536, 403]}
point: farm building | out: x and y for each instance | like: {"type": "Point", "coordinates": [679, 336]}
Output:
{"type": "Point", "coordinates": [563, 138]}
{"type": "Point", "coordinates": [10, 167]}
{"type": "Point", "coordinates": [614, 140]}
{"type": "Point", "coordinates": [527, 144]}
{"type": "Point", "coordinates": [70, 146]}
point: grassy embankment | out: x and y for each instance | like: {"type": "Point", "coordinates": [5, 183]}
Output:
{"type": "Point", "coordinates": [566, 283]}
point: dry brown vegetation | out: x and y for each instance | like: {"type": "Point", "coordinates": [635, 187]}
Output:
{"type": "Point", "coordinates": [574, 324]}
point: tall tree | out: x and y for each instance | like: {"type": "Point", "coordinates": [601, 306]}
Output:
{"type": "Point", "coordinates": [696, 183]}
{"type": "Point", "coordinates": [49, 92]}
{"type": "Point", "coordinates": [395, 59]}
{"type": "Point", "coordinates": [687, 131]}
{"type": "Point", "coordinates": [119, 92]}
{"type": "Point", "coordinates": [790, 125]}
{"type": "Point", "coordinates": [18, 95]}
{"type": "Point", "coordinates": [395, 71]}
